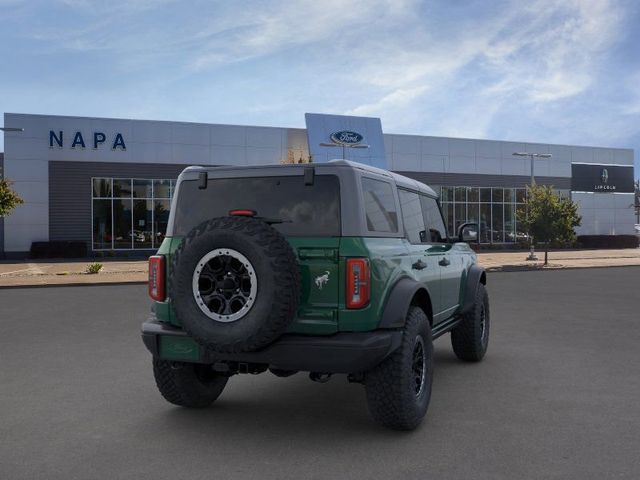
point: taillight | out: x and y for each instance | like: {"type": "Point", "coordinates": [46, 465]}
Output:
{"type": "Point", "coordinates": [156, 277]}
{"type": "Point", "coordinates": [358, 288]}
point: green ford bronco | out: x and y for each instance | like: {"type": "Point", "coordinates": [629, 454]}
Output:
{"type": "Point", "coordinates": [324, 268]}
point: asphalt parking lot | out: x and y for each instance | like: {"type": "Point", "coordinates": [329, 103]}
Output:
{"type": "Point", "coordinates": [558, 396]}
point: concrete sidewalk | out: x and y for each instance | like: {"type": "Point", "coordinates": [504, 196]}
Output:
{"type": "Point", "coordinates": [72, 272]}
{"type": "Point", "coordinates": [511, 261]}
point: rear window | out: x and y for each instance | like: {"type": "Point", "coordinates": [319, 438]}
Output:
{"type": "Point", "coordinates": [305, 210]}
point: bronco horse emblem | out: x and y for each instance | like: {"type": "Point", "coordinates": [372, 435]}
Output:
{"type": "Point", "coordinates": [322, 280]}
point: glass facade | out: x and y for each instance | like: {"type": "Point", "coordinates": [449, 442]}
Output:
{"type": "Point", "coordinates": [494, 209]}
{"type": "Point", "coordinates": [130, 213]}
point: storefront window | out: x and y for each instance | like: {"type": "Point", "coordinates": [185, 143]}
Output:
{"type": "Point", "coordinates": [130, 213]}
{"type": "Point", "coordinates": [142, 188]}
{"type": "Point", "coordinates": [102, 187]}
{"type": "Point", "coordinates": [498, 211]}
{"type": "Point", "coordinates": [102, 231]}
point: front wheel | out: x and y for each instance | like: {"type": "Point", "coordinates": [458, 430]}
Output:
{"type": "Point", "coordinates": [399, 389]}
{"type": "Point", "coordinates": [470, 338]}
{"type": "Point", "coordinates": [188, 384]}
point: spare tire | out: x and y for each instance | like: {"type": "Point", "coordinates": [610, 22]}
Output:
{"type": "Point", "coordinates": [234, 284]}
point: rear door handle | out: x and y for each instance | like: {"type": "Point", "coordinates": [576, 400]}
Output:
{"type": "Point", "coordinates": [444, 262]}
{"type": "Point", "coordinates": [419, 265]}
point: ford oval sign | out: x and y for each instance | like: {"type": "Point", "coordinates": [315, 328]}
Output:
{"type": "Point", "coordinates": [346, 137]}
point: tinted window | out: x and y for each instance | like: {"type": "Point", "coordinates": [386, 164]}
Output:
{"type": "Point", "coordinates": [379, 205]}
{"type": "Point", "coordinates": [305, 210]}
{"type": "Point", "coordinates": [412, 216]}
{"type": "Point", "coordinates": [433, 220]}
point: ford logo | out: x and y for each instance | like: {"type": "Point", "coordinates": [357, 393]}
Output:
{"type": "Point", "coordinates": [346, 137]}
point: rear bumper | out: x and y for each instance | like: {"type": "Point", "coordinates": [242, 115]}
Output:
{"type": "Point", "coordinates": [346, 352]}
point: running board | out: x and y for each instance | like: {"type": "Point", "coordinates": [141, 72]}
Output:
{"type": "Point", "coordinates": [444, 327]}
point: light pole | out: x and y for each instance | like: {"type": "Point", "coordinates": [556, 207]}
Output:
{"type": "Point", "coordinates": [532, 253]}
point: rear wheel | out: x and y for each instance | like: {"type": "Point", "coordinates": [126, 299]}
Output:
{"type": "Point", "coordinates": [399, 389]}
{"type": "Point", "coordinates": [470, 338]}
{"type": "Point", "coordinates": [188, 384]}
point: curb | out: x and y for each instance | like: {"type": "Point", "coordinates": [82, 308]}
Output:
{"type": "Point", "coordinates": [525, 268]}
{"type": "Point", "coordinates": [76, 284]}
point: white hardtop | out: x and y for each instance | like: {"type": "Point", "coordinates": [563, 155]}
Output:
{"type": "Point", "coordinates": [399, 180]}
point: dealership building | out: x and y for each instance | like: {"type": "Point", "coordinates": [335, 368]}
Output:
{"type": "Point", "coordinates": [109, 182]}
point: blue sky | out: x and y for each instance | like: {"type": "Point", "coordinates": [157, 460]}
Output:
{"type": "Point", "coordinates": [542, 71]}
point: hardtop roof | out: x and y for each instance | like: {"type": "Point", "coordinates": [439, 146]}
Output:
{"type": "Point", "coordinates": [400, 180]}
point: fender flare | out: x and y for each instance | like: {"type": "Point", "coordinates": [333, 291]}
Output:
{"type": "Point", "coordinates": [398, 302]}
{"type": "Point", "coordinates": [475, 276]}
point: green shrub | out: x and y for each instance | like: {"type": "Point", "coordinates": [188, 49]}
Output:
{"type": "Point", "coordinates": [94, 268]}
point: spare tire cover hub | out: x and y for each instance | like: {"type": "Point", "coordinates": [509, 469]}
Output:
{"type": "Point", "coordinates": [224, 285]}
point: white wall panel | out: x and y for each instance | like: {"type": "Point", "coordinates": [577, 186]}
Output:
{"type": "Point", "coordinates": [151, 132]}
{"type": "Point", "coordinates": [433, 163]}
{"type": "Point", "coordinates": [31, 214]}
{"type": "Point", "coordinates": [18, 238]}
{"type": "Point", "coordinates": [26, 170]}
{"type": "Point", "coordinates": [462, 147]}
{"type": "Point", "coordinates": [559, 168]}
{"type": "Point", "coordinates": [514, 166]}
{"type": "Point", "coordinates": [228, 135]}
{"type": "Point", "coordinates": [623, 157]}
{"type": "Point", "coordinates": [582, 155]}
{"type": "Point", "coordinates": [461, 165]}
{"type": "Point", "coordinates": [489, 166]}
{"type": "Point", "coordinates": [263, 156]}
{"type": "Point", "coordinates": [488, 149]}
{"type": "Point", "coordinates": [622, 200]}
{"type": "Point", "coordinates": [388, 146]}
{"type": "Point", "coordinates": [35, 126]}
{"type": "Point", "coordinates": [604, 201]}
{"type": "Point", "coordinates": [508, 148]}
{"type": "Point", "coordinates": [434, 145]}
{"type": "Point", "coordinates": [190, 133]}
{"type": "Point", "coordinates": [537, 148]}
{"type": "Point", "coordinates": [191, 154]}
{"type": "Point", "coordinates": [265, 137]}
{"type": "Point", "coordinates": [584, 200]}
{"type": "Point", "coordinates": [227, 155]}
{"type": "Point", "coordinates": [31, 192]}
{"type": "Point", "coordinates": [561, 153]}
{"type": "Point", "coordinates": [403, 144]}
{"type": "Point", "coordinates": [406, 162]}
{"type": "Point", "coordinates": [20, 148]}
{"type": "Point", "coordinates": [603, 155]}
{"type": "Point", "coordinates": [541, 167]}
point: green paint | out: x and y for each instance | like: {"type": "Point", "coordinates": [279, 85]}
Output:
{"type": "Point", "coordinates": [321, 261]}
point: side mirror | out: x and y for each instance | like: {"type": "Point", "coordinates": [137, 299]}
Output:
{"type": "Point", "coordinates": [468, 233]}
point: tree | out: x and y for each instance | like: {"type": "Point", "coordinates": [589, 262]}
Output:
{"type": "Point", "coordinates": [550, 217]}
{"type": "Point", "coordinates": [8, 198]}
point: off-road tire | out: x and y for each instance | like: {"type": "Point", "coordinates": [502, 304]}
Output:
{"type": "Point", "coordinates": [278, 283]}
{"type": "Point", "coordinates": [188, 384]}
{"type": "Point", "coordinates": [390, 386]}
{"type": "Point", "coordinates": [470, 338]}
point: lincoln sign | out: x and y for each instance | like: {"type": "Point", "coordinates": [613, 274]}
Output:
{"type": "Point", "coordinates": [601, 178]}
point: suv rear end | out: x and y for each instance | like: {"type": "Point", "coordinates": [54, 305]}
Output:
{"type": "Point", "coordinates": [317, 209]}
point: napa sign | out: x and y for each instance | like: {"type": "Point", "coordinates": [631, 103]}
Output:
{"type": "Point", "coordinates": [98, 139]}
